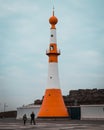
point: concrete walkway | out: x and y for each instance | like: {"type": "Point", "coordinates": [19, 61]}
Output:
{"type": "Point", "coordinates": [13, 124]}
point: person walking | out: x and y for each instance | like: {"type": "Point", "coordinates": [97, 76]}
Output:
{"type": "Point", "coordinates": [32, 118]}
{"type": "Point", "coordinates": [24, 118]}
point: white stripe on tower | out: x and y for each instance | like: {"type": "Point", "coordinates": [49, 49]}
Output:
{"type": "Point", "coordinates": [53, 75]}
{"type": "Point", "coordinates": [53, 36]}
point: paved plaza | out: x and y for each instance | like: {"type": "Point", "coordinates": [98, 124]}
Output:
{"type": "Point", "coordinates": [13, 124]}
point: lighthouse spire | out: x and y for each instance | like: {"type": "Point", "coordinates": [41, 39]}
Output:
{"type": "Point", "coordinates": [53, 20]}
{"type": "Point", "coordinates": [53, 10]}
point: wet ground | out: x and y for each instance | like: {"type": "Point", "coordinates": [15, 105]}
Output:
{"type": "Point", "coordinates": [13, 124]}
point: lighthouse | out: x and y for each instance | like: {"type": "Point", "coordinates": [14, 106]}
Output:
{"type": "Point", "coordinates": [53, 104]}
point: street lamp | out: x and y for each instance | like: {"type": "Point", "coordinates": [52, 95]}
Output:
{"type": "Point", "coordinates": [0, 105]}
{"type": "Point", "coordinates": [5, 105]}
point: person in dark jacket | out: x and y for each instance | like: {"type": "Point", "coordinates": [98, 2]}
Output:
{"type": "Point", "coordinates": [32, 118]}
{"type": "Point", "coordinates": [24, 118]}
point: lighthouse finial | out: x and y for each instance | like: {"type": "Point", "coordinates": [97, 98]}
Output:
{"type": "Point", "coordinates": [53, 20]}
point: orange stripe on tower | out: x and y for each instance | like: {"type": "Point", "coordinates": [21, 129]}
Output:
{"type": "Point", "coordinates": [53, 104]}
{"type": "Point", "coordinates": [53, 53]}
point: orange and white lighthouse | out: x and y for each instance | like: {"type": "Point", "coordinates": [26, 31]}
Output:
{"type": "Point", "coordinates": [53, 103]}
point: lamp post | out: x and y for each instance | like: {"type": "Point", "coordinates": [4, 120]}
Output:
{"type": "Point", "coordinates": [5, 105]}
{"type": "Point", "coordinates": [0, 106]}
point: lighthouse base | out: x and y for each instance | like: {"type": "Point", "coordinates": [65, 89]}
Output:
{"type": "Point", "coordinates": [53, 105]}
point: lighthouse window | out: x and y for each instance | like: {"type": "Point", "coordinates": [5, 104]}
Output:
{"type": "Point", "coordinates": [51, 35]}
{"type": "Point", "coordinates": [51, 47]}
{"type": "Point", "coordinates": [50, 77]}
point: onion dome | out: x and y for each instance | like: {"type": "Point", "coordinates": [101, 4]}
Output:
{"type": "Point", "coordinates": [53, 21]}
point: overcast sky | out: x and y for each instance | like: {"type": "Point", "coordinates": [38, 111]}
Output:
{"type": "Point", "coordinates": [24, 38]}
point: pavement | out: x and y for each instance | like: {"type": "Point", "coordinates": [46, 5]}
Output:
{"type": "Point", "coordinates": [13, 124]}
